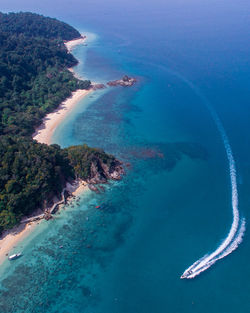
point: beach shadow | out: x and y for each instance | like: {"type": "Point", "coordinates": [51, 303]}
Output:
{"type": "Point", "coordinates": [14, 231]}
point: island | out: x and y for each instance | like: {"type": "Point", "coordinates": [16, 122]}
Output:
{"type": "Point", "coordinates": [126, 81]}
{"type": "Point", "coordinates": [35, 80]}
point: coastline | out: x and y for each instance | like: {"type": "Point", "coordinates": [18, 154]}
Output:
{"type": "Point", "coordinates": [11, 238]}
{"type": "Point", "coordinates": [43, 134]}
{"type": "Point", "coordinates": [75, 42]}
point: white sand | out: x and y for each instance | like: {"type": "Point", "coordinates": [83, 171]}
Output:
{"type": "Point", "coordinates": [11, 238]}
{"type": "Point", "coordinates": [43, 134]}
{"type": "Point", "coordinates": [45, 131]}
{"type": "Point", "coordinates": [72, 43]}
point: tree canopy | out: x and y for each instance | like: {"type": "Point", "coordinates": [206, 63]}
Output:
{"type": "Point", "coordinates": [33, 67]}
{"type": "Point", "coordinates": [34, 80]}
{"type": "Point", "coordinates": [35, 25]}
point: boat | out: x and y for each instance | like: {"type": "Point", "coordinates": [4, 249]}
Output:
{"type": "Point", "coordinates": [15, 256]}
{"type": "Point", "coordinates": [186, 274]}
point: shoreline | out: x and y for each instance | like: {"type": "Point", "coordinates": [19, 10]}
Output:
{"type": "Point", "coordinates": [51, 121]}
{"type": "Point", "coordinates": [11, 238]}
{"type": "Point", "coordinates": [43, 134]}
{"type": "Point", "coordinates": [75, 42]}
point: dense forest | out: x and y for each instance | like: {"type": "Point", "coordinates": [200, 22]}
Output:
{"type": "Point", "coordinates": [34, 80]}
{"type": "Point", "coordinates": [34, 25]}
{"type": "Point", "coordinates": [34, 75]}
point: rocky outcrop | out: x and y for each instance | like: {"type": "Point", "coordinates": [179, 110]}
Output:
{"type": "Point", "coordinates": [97, 86]}
{"type": "Point", "coordinates": [93, 188]}
{"type": "Point", "coordinates": [102, 172]}
{"type": "Point", "coordinates": [126, 81]}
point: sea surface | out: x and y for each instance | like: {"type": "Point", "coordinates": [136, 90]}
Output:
{"type": "Point", "coordinates": [174, 204]}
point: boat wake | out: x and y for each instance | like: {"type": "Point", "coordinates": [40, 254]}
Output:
{"type": "Point", "coordinates": [235, 235]}
{"type": "Point", "coordinates": [208, 260]}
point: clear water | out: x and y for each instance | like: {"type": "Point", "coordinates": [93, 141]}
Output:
{"type": "Point", "coordinates": [174, 205]}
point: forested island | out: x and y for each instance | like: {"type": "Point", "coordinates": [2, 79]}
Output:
{"type": "Point", "coordinates": [34, 80]}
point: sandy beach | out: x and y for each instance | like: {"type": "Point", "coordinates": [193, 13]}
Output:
{"type": "Point", "coordinates": [50, 122]}
{"type": "Point", "coordinates": [45, 131]}
{"type": "Point", "coordinates": [72, 43]}
{"type": "Point", "coordinates": [10, 239]}
{"type": "Point", "coordinates": [13, 237]}
{"type": "Point", "coordinates": [77, 188]}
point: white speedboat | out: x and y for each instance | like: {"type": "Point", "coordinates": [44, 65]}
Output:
{"type": "Point", "coordinates": [186, 274]}
{"type": "Point", "coordinates": [14, 256]}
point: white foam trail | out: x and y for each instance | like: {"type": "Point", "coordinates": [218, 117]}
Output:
{"type": "Point", "coordinates": [234, 245]}
{"type": "Point", "coordinates": [234, 237]}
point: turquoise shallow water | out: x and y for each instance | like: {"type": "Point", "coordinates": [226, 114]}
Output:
{"type": "Point", "coordinates": [174, 205]}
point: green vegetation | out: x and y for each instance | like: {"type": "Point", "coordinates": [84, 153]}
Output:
{"type": "Point", "coordinates": [34, 80]}
{"type": "Point", "coordinates": [29, 174]}
{"type": "Point", "coordinates": [34, 25]}
{"type": "Point", "coordinates": [83, 157]}
{"type": "Point", "coordinates": [33, 67]}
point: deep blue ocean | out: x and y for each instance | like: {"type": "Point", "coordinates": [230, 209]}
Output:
{"type": "Point", "coordinates": [174, 204]}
